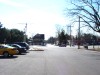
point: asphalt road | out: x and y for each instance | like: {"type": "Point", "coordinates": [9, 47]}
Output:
{"type": "Point", "coordinates": [52, 61]}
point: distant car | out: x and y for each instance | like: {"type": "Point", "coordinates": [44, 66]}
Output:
{"type": "Point", "coordinates": [19, 48]}
{"type": "Point", "coordinates": [6, 50]}
{"type": "Point", "coordinates": [62, 45]}
{"type": "Point", "coordinates": [22, 44]}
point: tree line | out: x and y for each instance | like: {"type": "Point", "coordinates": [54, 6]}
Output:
{"type": "Point", "coordinates": [10, 35]}
{"type": "Point", "coordinates": [85, 38]}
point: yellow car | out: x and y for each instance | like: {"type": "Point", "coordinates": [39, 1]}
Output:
{"type": "Point", "coordinates": [6, 50]}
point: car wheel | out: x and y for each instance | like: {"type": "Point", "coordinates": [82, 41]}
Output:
{"type": "Point", "coordinates": [5, 54]}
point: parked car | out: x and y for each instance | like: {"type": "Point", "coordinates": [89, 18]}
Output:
{"type": "Point", "coordinates": [6, 50]}
{"type": "Point", "coordinates": [23, 44]}
{"type": "Point", "coordinates": [19, 48]}
{"type": "Point", "coordinates": [62, 45]}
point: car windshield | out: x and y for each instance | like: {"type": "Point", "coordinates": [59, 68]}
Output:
{"type": "Point", "coordinates": [6, 46]}
{"type": "Point", "coordinates": [15, 45]}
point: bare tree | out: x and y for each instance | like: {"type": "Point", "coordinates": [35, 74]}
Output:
{"type": "Point", "coordinates": [88, 10]}
{"type": "Point", "coordinates": [58, 29]}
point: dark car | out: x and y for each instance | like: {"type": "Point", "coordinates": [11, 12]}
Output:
{"type": "Point", "coordinates": [62, 45]}
{"type": "Point", "coordinates": [23, 44]}
{"type": "Point", "coordinates": [19, 48]}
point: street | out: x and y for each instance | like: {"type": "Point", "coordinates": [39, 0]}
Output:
{"type": "Point", "coordinates": [52, 60]}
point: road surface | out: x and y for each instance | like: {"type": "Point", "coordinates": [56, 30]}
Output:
{"type": "Point", "coordinates": [52, 60]}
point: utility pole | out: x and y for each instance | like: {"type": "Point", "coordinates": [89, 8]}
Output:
{"type": "Point", "coordinates": [79, 42]}
{"type": "Point", "coordinates": [70, 35]}
{"type": "Point", "coordinates": [25, 31]}
{"type": "Point", "coordinates": [93, 39]}
{"type": "Point", "coordinates": [79, 34]}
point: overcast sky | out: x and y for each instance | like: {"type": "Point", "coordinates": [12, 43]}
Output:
{"type": "Point", "coordinates": [41, 16]}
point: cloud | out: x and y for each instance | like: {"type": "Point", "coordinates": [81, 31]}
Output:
{"type": "Point", "coordinates": [11, 3]}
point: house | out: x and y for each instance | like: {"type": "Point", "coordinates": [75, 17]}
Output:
{"type": "Point", "coordinates": [38, 39]}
